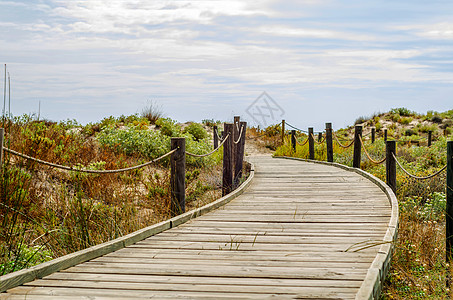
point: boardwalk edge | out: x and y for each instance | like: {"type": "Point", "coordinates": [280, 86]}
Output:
{"type": "Point", "coordinates": [372, 285]}
{"type": "Point", "coordinates": [17, 278]}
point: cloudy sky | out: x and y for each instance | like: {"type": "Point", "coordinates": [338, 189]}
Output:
{"type": "Point", "coordinates": [320, 60]}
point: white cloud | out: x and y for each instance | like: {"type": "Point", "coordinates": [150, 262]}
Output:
{"type": "Point", "coordinates": [279, 30]}
{"type": "Point", "coordinates": [439, 31]}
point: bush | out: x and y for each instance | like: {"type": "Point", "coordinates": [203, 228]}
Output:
{"type": "Point", "coordinates": [210, 122]}
{"type": "Point", "coordinates": [196, 130]}
{"type": "Point", "coordinates": [395, 117]}
{"type": "Point", "coordinates": [360, 120]}
{"type": "Point", "coordinates": [402, 111]}
{"type": "Point", "coordinates": [436, 119]}
{"type": "Point", "coordinates": [409, 132]}
{"type": "Point", "coordinates": [405, 120]}
{"type": "Point", "coordinates": [168, 127]}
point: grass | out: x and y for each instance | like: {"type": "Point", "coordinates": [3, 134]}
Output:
{"type": "Point", "coordinates": [46, 213]}
{"type": "Point", "coordinates": [419, 269]}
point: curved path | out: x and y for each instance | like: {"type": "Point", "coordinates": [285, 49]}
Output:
{"type": "Point", "coordinates": [285, 237]}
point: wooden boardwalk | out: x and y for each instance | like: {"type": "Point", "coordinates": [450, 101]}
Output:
{"type": "Point", "coordinates": [284, 238]}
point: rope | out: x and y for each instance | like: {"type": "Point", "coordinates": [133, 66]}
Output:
{"type": "Point", "coordinates": [301, 129]}
{"type": "Point", "coordinates": [86, 170]}
{"type": "Point", "coordinates": [240, 135]}
{"type": "Point", "coordinates": [341, 145]}
{"type": "Point", "coordinates": [207, 154]}
{"type": "Point", "coordinates": [369, 157]}
{"type": "Point", "coordinates": [303, 144]}
{"type": "Point", "coordinates": [286, 123]}
{"type": "Point", "coordinates": [218, 136]}
{"type": "Point", "coordinates": [417, 177]}
{"type": "Point", "coordinates": [320, 142]}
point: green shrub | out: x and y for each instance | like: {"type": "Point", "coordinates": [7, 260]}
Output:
{"type": "Point", "coordinates": [395, 117]}
{"type": "Point", "coordinates": [436, 119]}
{"type": "Point", "coordinates": [409, 132]}
{"type": "Point", "coordinates": [168, 127]}
{"type": "Point", "coordinates": [210, 122]}
{"type": "Point", "coordinates": [196, 130]}
{"type": "Point", "coordinates": [360, 120]}
{"type": "Point", "coordinates": [402, 111]}
{"type": "Point", "coordinates": [405, 120]}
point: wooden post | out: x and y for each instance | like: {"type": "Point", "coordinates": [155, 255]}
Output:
{"type": "Point", "coordinates": [178, 176]}
{"type": "Point", "coordinates": [319, 137]}
{"type": "Point", "coordinates": [329, 142]}
{"type": "Point", "coordinates": [311, 143]}
{"type": "Point", "coordinates": [430, 138]}
{"type": "Point", "coordinates": [240, 149]}
{"type": "Point", "coordinates": [216, 138]}
{"type": "Point", "coordinates": [449, 212]}
{"type": "Point", "coordinates": [236, 130]}
{"type": "Point", "coordinates": [385, 134]}
{"type": "Point", "coordinates": [2, 136]}
{"type": "Point", "coordinates": [373, 134]}
{"type": "Point", "coordinates": [390, 165]}
{"type": "Point", "coordinates": [227, 174]}
{"type": "Point", "coordinates": [357, 146]}
{"type": "Point", "coordinates": [293, 140]}
{"type": "Point", "coordinates": [283, 132]}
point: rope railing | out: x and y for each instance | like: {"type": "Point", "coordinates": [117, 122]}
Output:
{"type": "Point", "coordinates": [231, 169]}
{"type": "Point", "coordinates": [240, 135]}
{"type": "Point", "coordinates": [212, 152]}
{"type": "Point", "coordinates": [340, 144]}
{"type": "Point", "coordinates": [314, 139]}
{"type": "Point", "coordinates": [368, 155]}
{"type": "Point", "coordinates": [418, 177]}
{"type": "Point", "coordinates": [293, 127]}
{"type": "Point", "coordinates": [76, 169]}
{"type": "Point", "coordinates": [304, 143]}
{"type": "Point", "coordinates": [218, 136]}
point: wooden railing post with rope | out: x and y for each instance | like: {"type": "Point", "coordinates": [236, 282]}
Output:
{"type": "Point", "coordinates": [449, 210]}
{"type": "Point", "coordinates": [329, 142]}
{"type": "Point", "coordinates": [235, 138]}
{"type": "Point", "coordinates": [283, 132]}
{"type": "Point", "coordinates": [430, 138]}
{"type": "Point", "coordinates": [178, 176]}
{"type": "Point", "coordinates": [240, 150]}
{"type": "Point", "coordinates": [215, 136]}
{"type": "Point", "coordinates": [357, 146]}
{"type": "Point", "coordinates": [311, 143]}
{"type": "Point", "coordinates": [385, 134]}
{"type": "Point", "coordinates": [293, 140]}
{"type": "Point", "coordinates": [373, 134]}
{"type": "Point", "coordinates": [227, 173]}
{"type": "Point", "coordinates": [390, 164]}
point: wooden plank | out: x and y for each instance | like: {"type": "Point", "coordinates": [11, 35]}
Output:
{"type": "Point", "coordinates": [184, 287]}
{"type": "Point", "coordinates": [224, 271]}
{"type": "Point", "coordinates": [204, 280]}
{"type": "Point", "coordinates": [65, 292]}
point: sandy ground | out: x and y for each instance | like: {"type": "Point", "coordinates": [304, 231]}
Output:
{"type": "Point", "coordinates": [253, 147]}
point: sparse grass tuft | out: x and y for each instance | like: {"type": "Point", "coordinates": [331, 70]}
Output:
{"type": "Point", "coordinates": [152, 112]}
